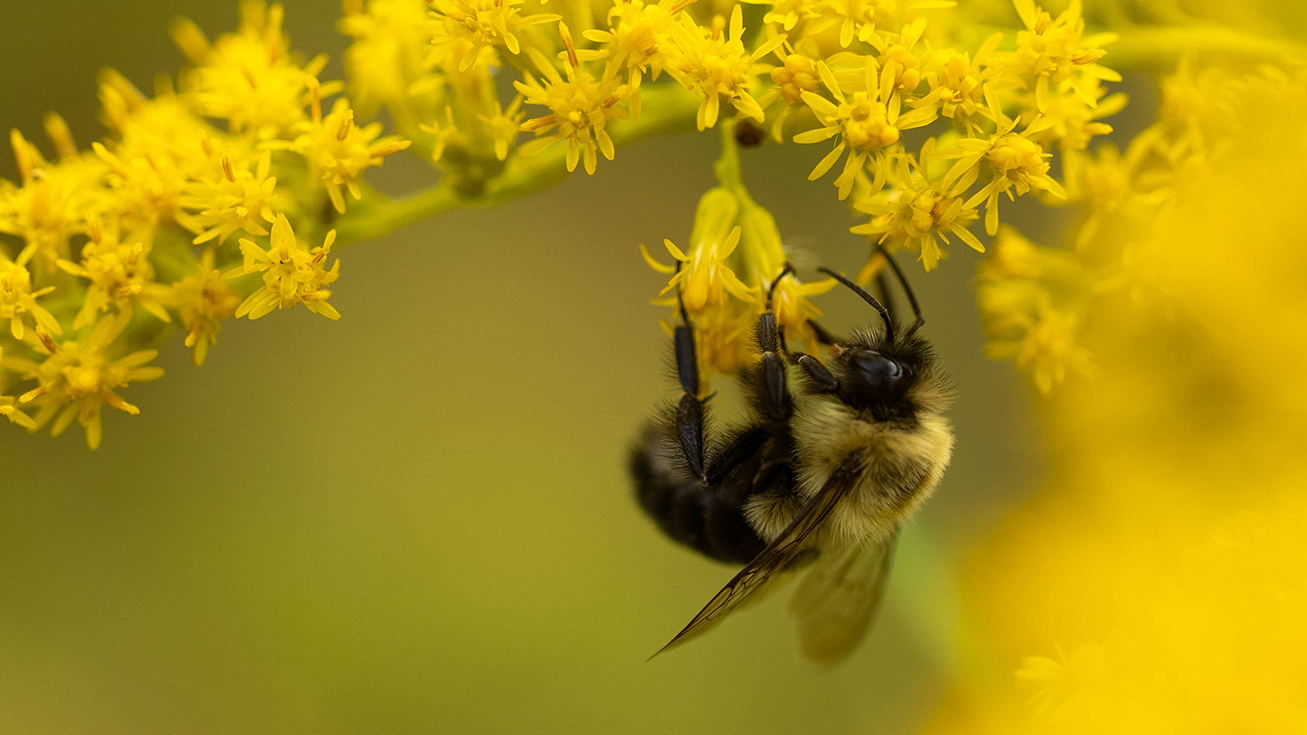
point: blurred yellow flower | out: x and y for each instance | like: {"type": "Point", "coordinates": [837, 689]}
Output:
{"type": "Point", "coordinates": [18, 298]}
{"type": "Point", "coordinates": [202, 302]}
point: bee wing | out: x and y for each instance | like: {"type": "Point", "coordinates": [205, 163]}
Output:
{"type": "Point", "coordinates": [786, 548]}
{"type": "Point", "coordinates": [835, 602]}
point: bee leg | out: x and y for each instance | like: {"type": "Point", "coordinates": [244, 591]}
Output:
{"type": "Point", "coordinates": [689, 413]}
{"type": "Point", "coordinates": [766, 380]}
{"type": "Point", "coordinates": [821, 378]}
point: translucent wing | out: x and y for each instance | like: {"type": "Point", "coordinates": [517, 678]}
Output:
{"type": "Point", "coordinates": [785, 549]}
{"type": "Point", "coordinates": [835, 602]}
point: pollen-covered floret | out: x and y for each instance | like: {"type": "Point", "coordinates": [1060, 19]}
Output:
{"type": "Point", "coordinates": [338, 151]}
{"type": "Point", "coordinates": [17, 298]}
{"type": "Point", "coordinates": [80, 376]}
{"type": "Point", "coordinates": [717, 65]}
{"type": "Point", "coordinates": [581, 107]}
{"type": "Point", "coordinates": [292, 274]}
{"type": "Point", "coordinates": [202, 302]}
{"type": "Point", "coordinates": [119, 273]}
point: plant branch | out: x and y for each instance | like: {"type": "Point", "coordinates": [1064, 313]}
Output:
{"type": "Point", "coordinates": [668, 108]}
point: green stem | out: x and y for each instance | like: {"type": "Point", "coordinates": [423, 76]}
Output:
{"type": "Point", "coordinates": [727, 166]}
{"type": "Point", "coordinates": [1151, 48]}
{"type": "Point", "coordinates": [667, 109]}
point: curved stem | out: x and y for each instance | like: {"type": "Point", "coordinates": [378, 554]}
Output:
{"type": "Point", "coordinates": [1154, 47]}
{"type": "Point", "coordinates": [668, 108]}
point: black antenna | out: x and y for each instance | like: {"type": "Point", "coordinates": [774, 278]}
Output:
{"type": "Point", "coordinates": [788, 269]}
{"type": "Point", "coordinates": [912, 299]}
{"type": "Point", "coordinates": [884, 313]}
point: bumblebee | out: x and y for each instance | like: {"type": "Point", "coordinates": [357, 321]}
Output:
{"type": "Point", "coordinates": [818, 481]}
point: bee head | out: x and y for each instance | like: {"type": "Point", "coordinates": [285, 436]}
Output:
{"type": "Point", "coordinates": [886, 372]}
{"type": "Point", "coordinates": [874, 375]}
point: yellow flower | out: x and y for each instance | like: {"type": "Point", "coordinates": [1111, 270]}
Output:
{"type": "Point", "coordinates": [338, 151]}
{"type": "Point", "coordinates": [1048, 351]}
{"type": "Point", "coordinates": [1016, 162]}
{"type": "Point", "coordinates": [788, 13]}
{"type": "Point", "coordinates": [392, 39]}
{"type": "Point", "coordinates": [292, 274]}
{"type": "Point", "coordinates": [916, 210]}
{"type": "Point", "coordinates": [1071, 122]}
{"type": "Point", "coordinates": [233, 199]}
{"type": "Point", "coordinates": [484, 23]}
{"type": "Point", "coordinates": [958, 83]}
{"type": "Point", "coordinates": [50, 205]}
{"type": "Point", "coordinates": [202, 302]}
{"type": "Point", "coordinates": [637, 38]}
{"type": "Point", "coordinates": [859, 18]}
{"type": "Point", "coordinates": [249, 78]}
{"type": "Point", "coordinates": [580, 108]}
{"type": "Point", "coordinates": [9, 405]}
{"type": "Point", "coordinates": [1053, 51]}
{"type": "Point", "coordinates": [864, 123]}
{"type": "Point", "coordinates": [78, 377]}
{"type": "Point", "coordinates": [718, 65]}
{"type": "Point", "coordinates": [119, 274]}
{"type": "Point", "coordinates": [703, 278]}
{"type": "Point", "coordinates": [796, 75]}
{"type": "Point", "coordinates": [504, 125]}
{"type": "Point", "coordinates": [17, 298]}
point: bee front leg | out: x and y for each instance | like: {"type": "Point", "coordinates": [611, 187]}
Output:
{"type": "Point", "coordinates": [689, 412]}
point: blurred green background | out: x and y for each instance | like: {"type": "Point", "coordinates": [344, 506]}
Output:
{"type": "Point", "coordinates": [417, 519]}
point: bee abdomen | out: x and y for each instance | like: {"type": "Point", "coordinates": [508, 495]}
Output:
{"type": "Point", "coordinates": [709, 520]}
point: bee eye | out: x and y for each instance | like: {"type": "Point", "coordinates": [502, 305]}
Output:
{"type": "Point", "coordinates": [877, 375]}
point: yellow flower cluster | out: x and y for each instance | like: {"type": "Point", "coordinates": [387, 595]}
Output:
{"type": "Point", "coordinates": [108, 249]}
{"type": "Point", "coordinates": [1035, 301]}
{"type": "Point", "coordinates": [1159, 583]}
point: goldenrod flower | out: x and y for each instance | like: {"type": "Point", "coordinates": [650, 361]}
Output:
{"type": "Point", "coordinates": [79, 376]}
{"type": "Point", "coordinates": [51, 204]}
{"type": "Point", "coordinates": [9, 404]}
{"type": "Point", "coordinates": [717, 65]}
{"type": "Point", "coordinates": [392, 40]}
{"type": "Point", "coordinates": [859, 18]}
{"type": "Point", "coordinates": [292, 274]}
{"type": "Point", "coordinates": [503, 125]}
{"type": "Point", "coordinates": [1048, 350]}
{"type": "Point", "coordinates": [202, 302]}
{"type": "Point", "coordinates": [249, 78]}
{"type": "Point", "coordinates": [788, 13]}
{"type": "Point", "coordinates": [917, 212]}
{"type": "Point", "coordinates": [17, 298]}
{"type": "Point", "coordinates": [484, 23]}
{"type": "Point", "coordinates": [796, 74]}
{"type": "Point", "coordinates": [1071, 123]}
{"type": "Point", "coordinates": [704, 278]}
{"type": "Point", "coordinates": [229, 200]}
{"type": "Point", "coordinates": [1017, 165]}
{"type": "Point", "coordinates": [120, 273]}
{"type": "Point", "coordinates": [636, 41]}
{"type": "Point", "coordinates": [958, 82]}
{"type": "Point", "coordinates": [865, 124]}
{"type": "Point", "coordinates": [1054, 52]}
{"type": "Point", "coordinates": [338, 151]}
{"type": "Point", "coordinates": [580, 108]}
